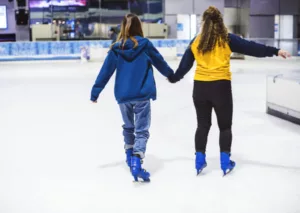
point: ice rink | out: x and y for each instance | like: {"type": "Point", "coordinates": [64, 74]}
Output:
{"type": "Point", "coordinates": [59, 153]}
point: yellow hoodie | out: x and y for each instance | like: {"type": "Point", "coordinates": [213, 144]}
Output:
{"type": "Point", "coordinates": [214, 65]}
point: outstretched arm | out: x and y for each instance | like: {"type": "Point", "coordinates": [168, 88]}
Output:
{"type": "Point", "coordinates": [185, 65]}
{"type": "Point", "coordinates": [242, 46]}
{"type": "Point", "coordinates": [104, 75]}
{"type": "Point", "coordinates": [158, 61]}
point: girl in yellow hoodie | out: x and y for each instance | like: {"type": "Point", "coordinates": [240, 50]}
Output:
{"type": "Point", "coordinates": [212, 87]}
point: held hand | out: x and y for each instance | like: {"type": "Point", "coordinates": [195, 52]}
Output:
{"type": "Point", "coordinates": [171, 79]}
{"type": "Point", "coordinates": [284, 54]}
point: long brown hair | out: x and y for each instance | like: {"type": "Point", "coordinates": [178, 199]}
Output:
{"type": "Point", "coordinates": [131, 26]}
{"type": "Point", "coordinates": [213, 31]}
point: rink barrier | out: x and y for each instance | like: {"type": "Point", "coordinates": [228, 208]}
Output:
{"type": "Point", "coordinates": [71, 50]}
{"type": "Point", "coordinates": [283, 99]}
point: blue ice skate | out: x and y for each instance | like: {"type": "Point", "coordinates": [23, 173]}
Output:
{"type": "Point", "coordinates": [129, 153]}
{"type": "Point", "coordinates": [200, 162]}
{"type": "Point", "coordinates": [137, 171]}
{"type": "Point", "coordinates": [227, 165]}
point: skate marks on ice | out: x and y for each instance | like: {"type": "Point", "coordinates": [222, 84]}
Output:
{"type": "Point", "coordinates": [214, 164]}
{"type": "Point", "coordinates": [243, 163]}
{"type": "Point", "coordinates": [113, 164]}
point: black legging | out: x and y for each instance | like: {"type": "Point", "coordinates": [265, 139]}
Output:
{"type": "Point", "coordinates": [215, 95]}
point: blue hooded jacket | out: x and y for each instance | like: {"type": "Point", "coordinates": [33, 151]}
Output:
{"type": "Point", "coordinates": [134, 77]}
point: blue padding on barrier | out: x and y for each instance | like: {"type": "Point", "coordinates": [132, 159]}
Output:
{"type": "Point", "coordinates": [25, 51]}
{"type": "Point", "coordinates": [42, 59]}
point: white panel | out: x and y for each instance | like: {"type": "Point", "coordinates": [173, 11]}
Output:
{"type": "Point", "coordinates": [199, 23]}
{"type": "Point", "coordinates": [11, 22]}
{"type": "Point", "coordinates": [286, 31]}
{"type": "Point", "coordinates": [230, 16]}
{"type": "Point", "coordinates": [3, 17]}
{"type": "Point", "coordinates": [171, 21]}
{"type": "Point", "coordinates": [42, 31]}
{"type": "Point", "coordinates": [284, 93]}
{"type": "Point", "coordinates": [184, 26]}
{"type": "Point", "coordinates": [194, 26]}
{"type": "Point", "coordinates": [179, 6]}
{"type": "Point", "coordinates": [201, 6]}
{"type": "Point", "coordinates": [286, 27]}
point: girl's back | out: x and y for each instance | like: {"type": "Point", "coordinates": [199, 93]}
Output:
{"type": "Point", "coordinates": [134, 77]}
{"type": "Point", "coordinates": [213, 65]}
{"type": "Point", "coordinates": [212, 49]}
{"type": "Point", "coordinates": [132, 56]}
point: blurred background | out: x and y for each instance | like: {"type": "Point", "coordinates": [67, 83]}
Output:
{"type": "Point", "coordinates": [272, 22]}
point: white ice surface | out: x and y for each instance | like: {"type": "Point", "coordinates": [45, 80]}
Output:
{"type": "Point", "coordinates": [61, 154]}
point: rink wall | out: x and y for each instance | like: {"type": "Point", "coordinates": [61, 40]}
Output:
{"type": "Point", "coordinates": [283, 99]}
{"type": "Point", "coordinates": [71, 50]}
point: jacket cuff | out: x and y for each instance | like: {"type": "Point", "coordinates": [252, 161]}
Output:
{"type": "Point", "coordinates": [273, 51]}
{"type": "Point", "coordinates": [276, 51]}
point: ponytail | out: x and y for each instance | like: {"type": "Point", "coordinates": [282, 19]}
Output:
{"type": "Point", "coordinates": [213, 31]}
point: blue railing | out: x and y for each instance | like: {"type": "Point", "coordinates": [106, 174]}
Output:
{"type": "Point", "coordinates": [16, 51]}
{"type": "Point", "coordinates": [64, 50]}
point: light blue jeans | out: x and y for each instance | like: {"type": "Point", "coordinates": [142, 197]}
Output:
{"type": "Point", "coordinates": [137, 118]}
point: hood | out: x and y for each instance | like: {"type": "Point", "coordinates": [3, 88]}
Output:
{"type": "Point", "coordinates": [128, 52]}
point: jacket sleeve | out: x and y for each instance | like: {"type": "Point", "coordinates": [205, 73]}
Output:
{"type": "Point", "coordinates": [158, 61]}
{"type": "Point", "coordinates": [185, 65]}
{"type": "Point", "coordinates": [242, 46]}
{"type": "Point", "coordinates": [107, 70]}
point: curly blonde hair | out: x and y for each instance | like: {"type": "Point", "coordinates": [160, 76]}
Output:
{"type": "Point", "coordinates": [213, 31]}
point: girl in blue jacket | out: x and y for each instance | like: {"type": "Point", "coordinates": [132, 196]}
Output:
{"type": "Point", "coordinates": [133, 56]}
